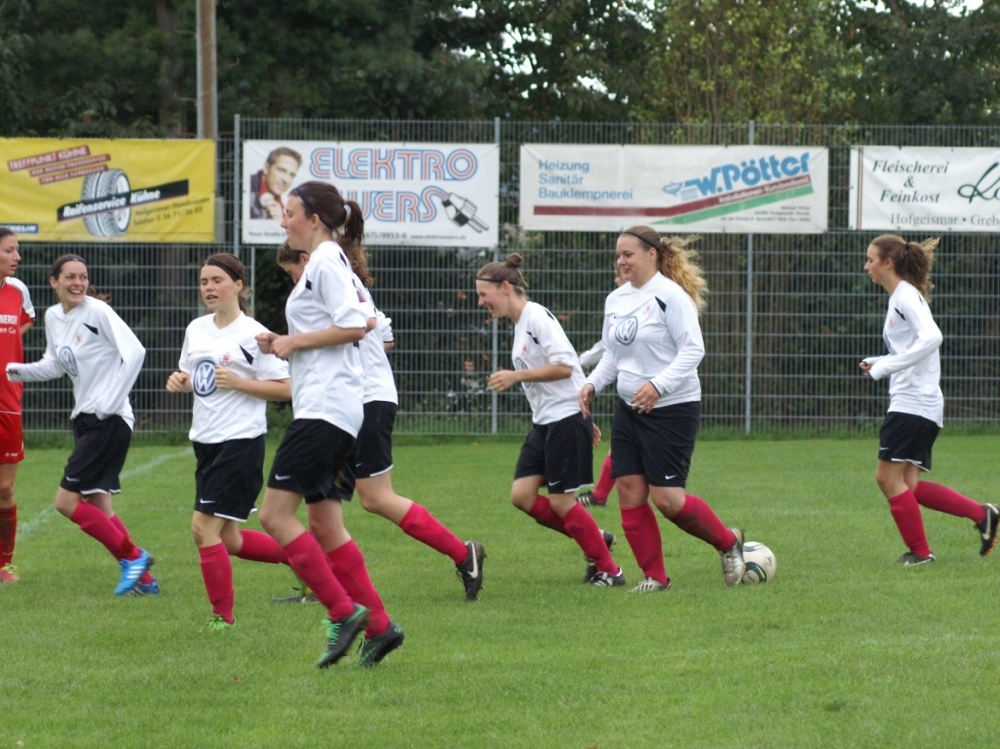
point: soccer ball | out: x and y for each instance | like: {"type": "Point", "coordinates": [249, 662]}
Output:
{"type": "Point", "coordinates": [760, 561]}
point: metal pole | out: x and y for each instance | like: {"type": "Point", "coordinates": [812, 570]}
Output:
{"type": "Point", "coordinates": [496, 331]}
{"type": "Point", "coordinates": [208, 111]}
{"type": "Point", "coordinates": [748, 391]}
{"type": "Point", "coordinates": [237, 181]}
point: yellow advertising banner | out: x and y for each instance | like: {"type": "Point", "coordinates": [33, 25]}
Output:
{"type": "Point", "coordinates": [98, 190]}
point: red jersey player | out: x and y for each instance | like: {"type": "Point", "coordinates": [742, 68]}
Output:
{"type": "Point", "coordinates": [16, 316]}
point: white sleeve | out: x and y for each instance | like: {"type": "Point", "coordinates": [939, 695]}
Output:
{"type": "Point", "coordinates": [555, 345]}
{"type": "Point", "coordinates": [46, 368]}
{"type": "Point", "coordinates": [184, 361]}
{"type": "Point", "coordinates": [681, 319]}
{"type": "Point", "coordinates": [591, 356]}
{"type": "Point", "coordinates": [132, 356]}
{"type": "Point", "coordinates": [353, 310]}
{"type": "Point", "coordinates": [604, 373]}
{"type": "Point", "coordinates": [384, 326]}
{"type": "Point", "coordinates": [270, 367]}
{"type": "Point", "coordinates": [929, 338]}
{"type": "Point", "coordinates": [26, 305]}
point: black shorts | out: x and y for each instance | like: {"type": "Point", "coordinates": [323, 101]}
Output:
{"type": "Point", "coordinates": [374, 455]}
{"type": "Point", "coordinates": [562, 452]}
{"type": "Point", "coordinates": [229, 477]}
{"type": "Point", "coordinates": [99, 452]}
{"type": "Point", "coordinates": [907, 438]}
{"type": "Point", "coordinates": [657, 445]}
{"type": "Point", "coordinates": [312, 460]}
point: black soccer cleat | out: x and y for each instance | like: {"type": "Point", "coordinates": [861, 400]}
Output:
{"type": "Point", "coordinates": [909, 559]}
{"type": "Point", "coordinates": [471, 570]}
{"type": "Point", "coordinates": [340, 633]}
{"type": "Point", "coordinates": [374, 649]}
{"type": "Point", "coordinates": [988, 529]}
{"type": "Point", "coordinates": [591, 572]}
{"type": "Point", "coordinates": [587, 499]}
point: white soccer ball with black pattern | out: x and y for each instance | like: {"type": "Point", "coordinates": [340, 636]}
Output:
{"type": "Point", "coordinates": [760, 561]}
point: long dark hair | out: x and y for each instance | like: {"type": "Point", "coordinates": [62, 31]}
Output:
{"type": "Point", "coordinates": [343, 218]}
{"type": "Point", "coordinates": [911, 260]}
{"type": "Point", "coordinates": [236, 271]}
{"type": "Point", "coordinates": [675, 261]}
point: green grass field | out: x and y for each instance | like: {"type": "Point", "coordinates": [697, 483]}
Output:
{"type": "Point", "coordinates": [843, 649]}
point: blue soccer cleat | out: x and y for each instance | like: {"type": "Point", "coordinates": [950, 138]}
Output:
{"type": "Point", "coordinates": [132, 570]}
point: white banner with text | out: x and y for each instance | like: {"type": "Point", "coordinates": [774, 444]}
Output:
{"type": "Point", "coordinates": [904, 189]}
{"type": "Point", "coordinates": [435, 194]}
{"type": "Point", "coordinates": [743, 189]}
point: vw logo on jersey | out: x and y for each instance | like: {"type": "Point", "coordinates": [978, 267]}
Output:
{"type": "Point", "coordinates": [626, 330]}
{"type": "Point", "coordinates": [68, 361]}
{"type": "Point", "coordinates": [203, 378]}
{"type": "Point", "coordinates": [520, 363]}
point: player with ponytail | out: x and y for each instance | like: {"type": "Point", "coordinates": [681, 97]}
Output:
{"type": "Point", "coordinates": [653, 346]}
{"type": "Point", "coordinates": [916, 403]}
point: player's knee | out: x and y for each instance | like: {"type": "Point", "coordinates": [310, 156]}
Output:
{"type": "Point", "coordinates": [6, 495]}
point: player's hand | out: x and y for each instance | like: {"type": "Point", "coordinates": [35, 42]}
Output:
{"type": "Point", "coordinates": [585, 397]}
{"type": "Point", "coordinates": [264, 341]}
{"type": "Point", "coordinates": [283, 346]}
{"type": "Point", "coordinates": [502, 380]}
{"type": "Point", "coordinates": [645, 398]}
{"type": "Point", "coordinates": [597, 435]}
{"type": "Point", "coordinates": [225, 379]}
{"type": "Point", "coordinates": [178, 382]}
{"type": "Point", "coordinates": [866, 369]}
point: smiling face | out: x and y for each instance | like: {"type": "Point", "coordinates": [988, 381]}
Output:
{"type": "Point", "coordinates": [280, 174]}
{"type": "Point", "coordinates": [219, 292]}
{"type": "Point", "coordinates": [9, 256]}
{"type": "Point", "coordinates": [636, 260]}
{"type": "Point", "coordinates": [495, 297]}
{"type": "Point", "coordinates": [72, 284]}
{"type": "Point", "coordinates": [880, 271]}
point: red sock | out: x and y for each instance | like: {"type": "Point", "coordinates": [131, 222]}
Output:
{"type": "Point", "coordinates": [421, 525]}
{"type": "Point", "coordinates": [146, 578]}
{"type": "Point", "coordinates": [97, 525]}
{"type": "Point", "coordinates": [583, 528]}
{"type": "Point", "coordinates": [697, 518]}
{"type": "Point", "coordinates": [906, 513]}
{"type": "Point", "coordinates": [643, 534]}
{"type": "Point", "coordinates": [605, 483]}
{"type": "Point", "coordinates": [217, 571]}
{"type": "Point", "coordinates": [8, 533]}
{"type": "Point", "coordinates": [348, 564]}
{"type": "Point", "coordinates": [307, 559]}
{"type": "Point", "coordinates": [543, 514]}
{"type": "Point", "coordinates": [260, 547]}
{"type": "Point", "coordinates": [943, 499]}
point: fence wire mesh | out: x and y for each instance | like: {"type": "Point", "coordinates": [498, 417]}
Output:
{"type": "Point", "coordinates": [812, 312]}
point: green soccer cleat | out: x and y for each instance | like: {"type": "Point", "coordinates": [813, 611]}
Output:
{"type": "Point", "coordinates": [374, 649]}
{"type": "Point", "coordinates": [340, 633]}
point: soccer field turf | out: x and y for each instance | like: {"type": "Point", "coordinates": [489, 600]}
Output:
{"type": "Point", "coordinates": [844, 648]}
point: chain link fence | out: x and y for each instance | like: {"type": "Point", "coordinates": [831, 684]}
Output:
{"type": "Point", "coordinates": [789, 316]}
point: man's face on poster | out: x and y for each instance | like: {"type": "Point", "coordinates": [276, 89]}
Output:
{"type": "Point", "coordinates": [280, 174]}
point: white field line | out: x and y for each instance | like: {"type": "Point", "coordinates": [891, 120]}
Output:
{"type": "Point", "coordinates": [40, 518]}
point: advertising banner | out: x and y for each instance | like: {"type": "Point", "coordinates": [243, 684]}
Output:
{"type": "Point", "coordinates": [766, 189]}
{"type": "Point", "coordinates": [932, 189]}
{"type": "Point", "coordinates": [97, 190]}
{"type": "Point", "coordinates": [439, 194]}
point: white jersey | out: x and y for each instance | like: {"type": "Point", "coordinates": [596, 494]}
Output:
{"type": "Point", "coordinates": [914, 362]}
{"type": "Point", "coordinates": [540, 340]}
{"type": "Point", "coordinates": [221, 415]}
{"type": "Point", "coordinates": [591, 356]}
{"type": "Point", "coordinates": [379, 382]}
{"type": "Point", "coordinates": [651, 334]}
{"type": "Point", "coordinates": [327, 383]}
{"type": "Point", "coordinates": [98, 351]}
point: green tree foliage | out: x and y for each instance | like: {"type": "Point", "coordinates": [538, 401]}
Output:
{"type": "Point", "coordinates": [736, 60]}
{"type": "Point", "coordinates": [574, 59]}
{"type": "Point", "coordinates": [933, 64]}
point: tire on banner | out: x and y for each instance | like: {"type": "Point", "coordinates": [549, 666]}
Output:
{"type": "Point", "coordinates": [103, 185]}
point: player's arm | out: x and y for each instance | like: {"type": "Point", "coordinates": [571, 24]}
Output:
{"type": "Point", "coordinates": [26, 326]}
{"type": "Point", "coordinates": [507, 378]}
{"type": "Point", "coordinates": [268, 390]}
{"type": "Point", "coordinates": [929, 338]}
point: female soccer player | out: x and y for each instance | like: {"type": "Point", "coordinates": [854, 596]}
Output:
{"type": "Point", "coordinates": [327, 320]}
{"type": "Point", "coordinates": [232, 381]}
{"type": "Point", "coordinates": [17, 315]}
{"type": "Point", "coordinates": [88, 341]}
{"type": "Point", "coordinates": [559, 449]}
{"type": "Point", "coordinates": [653, 345]}
{"type": "Point", "coordinates": [916, 404]}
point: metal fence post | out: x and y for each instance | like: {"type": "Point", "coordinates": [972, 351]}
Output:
{"type": "Point", "coordinates": [237, 215]}
{"type": "Point", "coordinates": [495, 399]}
{"type": "Point", "coordinates": [748, 391]}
